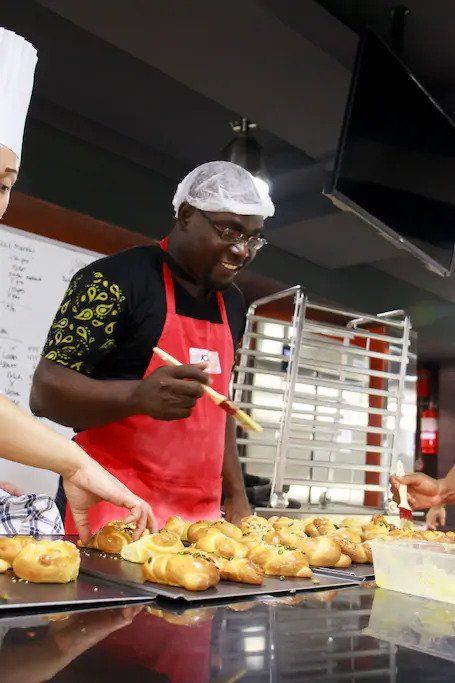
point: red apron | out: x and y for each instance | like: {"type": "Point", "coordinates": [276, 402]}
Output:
{"type": "Point", "coordinates": [175, 466]}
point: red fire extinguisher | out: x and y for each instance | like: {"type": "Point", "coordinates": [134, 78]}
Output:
{"type": "Point", "coordinates": [429, 432]}
{"type": "Point", "coordinates": [423, 383]}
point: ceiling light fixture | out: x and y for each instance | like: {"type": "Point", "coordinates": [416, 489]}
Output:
{"type": "Point", "coordinates": [246, 151]}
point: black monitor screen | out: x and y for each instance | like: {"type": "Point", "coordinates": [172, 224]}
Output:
{"type": "Point", "coordinates": [396, 159]}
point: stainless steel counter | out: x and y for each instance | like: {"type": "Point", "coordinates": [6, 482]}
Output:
{"type": "Point", "coordinates": [353, 634]}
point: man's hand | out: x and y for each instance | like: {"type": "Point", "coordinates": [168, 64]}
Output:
{"type": "Point", "coordinates": [91, 484]}
{"type": "Point", "coordinates": [11, 488]}
{"type": "Point", "coordinates": [236, 507]}
{"type": "Point", "coordinates": [436, 516]}
{"type": "Point", "coordinates": [170, 393]}
{"type": "Point", "coordinates": [423, 491]}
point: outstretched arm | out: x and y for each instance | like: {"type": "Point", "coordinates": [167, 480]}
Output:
{"type": "Point", "coordinates": [25, 440]}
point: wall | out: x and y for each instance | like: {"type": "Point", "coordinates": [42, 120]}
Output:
{"type": "Point", "coordinates": [446, 456]}
{"type": "Point", "coordinates": [71, 173]}
{"type": "Point", "coordinates": [57, 222]}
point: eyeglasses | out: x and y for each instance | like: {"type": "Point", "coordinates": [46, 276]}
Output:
{"type": "Point", "coordinates": [232, 236]}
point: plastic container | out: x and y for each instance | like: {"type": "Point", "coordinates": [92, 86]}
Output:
{"type": "Point", "coordinates": [416, 568]}
{"type": "Point", "coordinates": [417, 623]}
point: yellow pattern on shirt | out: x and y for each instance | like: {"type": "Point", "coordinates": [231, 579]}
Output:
{"type": "Point", "coordinates": [80, 313]}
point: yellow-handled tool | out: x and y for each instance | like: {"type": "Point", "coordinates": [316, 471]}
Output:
{"type": "Point", "coordinates": [222, 401]}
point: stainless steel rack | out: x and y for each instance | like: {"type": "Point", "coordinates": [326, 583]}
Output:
{"type": "Point", "coordinates": [331, 388]}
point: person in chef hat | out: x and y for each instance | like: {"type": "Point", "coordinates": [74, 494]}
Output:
{"type": "Point", "coordinates": [22, 438]}
{"type": "Point", "coordinates": [18, 60]}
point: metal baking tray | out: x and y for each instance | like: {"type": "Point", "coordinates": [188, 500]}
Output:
{"type": "Point", "coordinates": [86, 590]}
{"type": "Point", "coordinates": [113, 569]}
{"type": "Point", "coordinates": [360, 572]}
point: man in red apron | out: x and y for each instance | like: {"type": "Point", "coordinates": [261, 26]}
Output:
{"type": "Point", "coordinates": [148, 424]}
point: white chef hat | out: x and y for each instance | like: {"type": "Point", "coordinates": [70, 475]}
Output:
{"type": "Point", "coordinates": [224, 186]}
{"type": "Point", "coordinates": [18, 60]}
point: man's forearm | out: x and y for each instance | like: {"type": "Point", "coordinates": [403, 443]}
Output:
{"type": "Point", "coordinates": [75, 400]}
{"type": "Point", "coordinates": [233, 483]}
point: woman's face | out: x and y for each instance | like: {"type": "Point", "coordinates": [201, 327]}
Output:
{"type": "Point", "coordinates": [9, 166]}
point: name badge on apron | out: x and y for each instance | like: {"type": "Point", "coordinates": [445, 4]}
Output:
{"type": "Point", "coordinates": [206, 356]}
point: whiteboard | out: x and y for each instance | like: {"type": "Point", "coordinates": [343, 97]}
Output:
{"type": "Point", "coordinates": [34, 275]}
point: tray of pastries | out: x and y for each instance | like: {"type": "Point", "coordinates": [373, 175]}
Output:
{"type": "Point", "coordinates": [204, 560]}
{"type": "Point", "coordinates": [214, 558]}
{"type": "Point", "coordinates": [317, 537]}
{"type": "Point", "coordinates": [43, 573]}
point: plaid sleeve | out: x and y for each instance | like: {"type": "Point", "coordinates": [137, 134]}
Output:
{"type": "Point", "coordinates": [30, 514]}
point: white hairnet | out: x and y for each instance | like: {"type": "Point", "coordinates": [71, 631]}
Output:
{"type": "Point", "coordinates": [223, 186]}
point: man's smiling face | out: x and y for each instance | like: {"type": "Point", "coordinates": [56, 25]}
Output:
{"type": "Point", "coordinates": [217, 246]}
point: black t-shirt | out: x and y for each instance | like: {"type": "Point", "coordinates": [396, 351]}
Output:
{"type": "Point", "coordinates": [113, 313]}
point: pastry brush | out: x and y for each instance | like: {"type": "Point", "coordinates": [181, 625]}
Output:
{"type": "Point", "coordinates": [222, 401]}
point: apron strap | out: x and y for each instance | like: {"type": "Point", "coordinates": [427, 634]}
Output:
{"type": "Point", "coordinates": [170, 290]}
{"type": "Point", "coordinates": [222, 308]}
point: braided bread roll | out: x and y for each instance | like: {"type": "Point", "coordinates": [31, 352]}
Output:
{"type": "Point", "coordinates": [10, 547]}
{"type": "Point", "coordinates": [355, 536]}
{"type": "Point", "coordinates": [239, 569]}
{"type": "Point", "coordinates": [252, 538]}
{"type": "Point", "coordinates": [344, 562]}
{"type": "Point", "coordinates": [286, 537]}
{"type": "Point", "coordinates": [218, 561]}
{"type": "Point", "coordinates": [399, 534]}
{"type": "Point", "coordinates": [254, 523]}
{"type": "Point", "coordinates": [280, 522]}
{"type": "Point", "coordinates": [112, 537]}
{"type": "Point", "coordinates": [242, 570]}
{"type": "Point", "coordinates": [298, 527]}
{"type": "Point", "coordinates": [429, 535]}
{"type": "Point", "coordinates": [272, 537]}
{"type": "Point", "coordinates": [181, 569]}
{"type": "Point", "coordinates": [279, 561]}
{"type": "Point", "coordinates": [352, 523]}
{"type": "Point", "coordinates": [213, 541]}
{"type": "Point", "coordinates": [368, 552]}
{"type": "Point", "coordinates": [374, 533]}
{"type": "Point", "coordinates": [178, 526]}
{"type": "Point", "coordinates": [320, 526]}
{"type": "Point", "coordinates": [355, 551]}
{"type": "Point", "coordinates": [48, 562]}
{"type": "Point", "coordinates": [322, 551]}
{"type": "Point", "coordinates": [377, 527]}
{"type": "Point", "coordinates": [228, 529]}
{"type": "Point", "coordinates": [197, 529]}
{"type": "Point", "coordinates": [162, 541]}
{"type": "Point", "coordinates": [379, 520]}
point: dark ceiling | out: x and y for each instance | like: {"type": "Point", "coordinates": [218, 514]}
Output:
{"type": "Point", "coordinates": [158, 81]}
